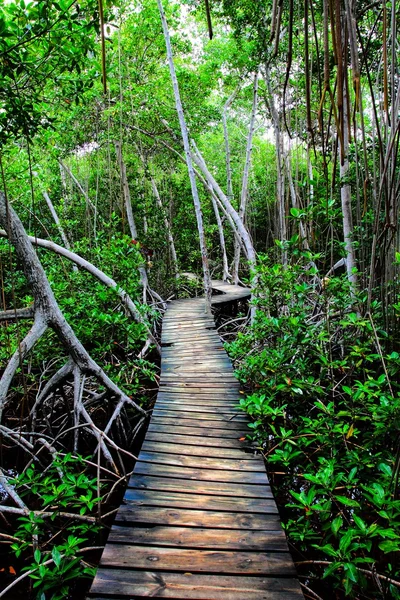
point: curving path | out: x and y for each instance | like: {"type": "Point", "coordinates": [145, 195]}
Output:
{"type": "Point", "coordinates": [198, 519]}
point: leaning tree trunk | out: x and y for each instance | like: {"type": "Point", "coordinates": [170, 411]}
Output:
{"type": "Point", "coordinates": [186, 145]}
{"type": "Point", "coordinates": [225, 267]}
{"type": "Point", "coordinates": [280, 178]}
{"type": "Point", "coordinates": [167, 223]}
{"type": "Point", "coordinates": [212, 183]}
{"type": "Point", "coordinates": [132, 225]}
{"type": "Point", "coordinates": [78, 261]}
{"type": "Point", "coordinates": [227, 105]}
{"type": "Point", "coordinates": [58, 224]}
{"type": "Point", "coordinates": [48, 314]}
{"type": "Point", "coordinates": [245, 178]}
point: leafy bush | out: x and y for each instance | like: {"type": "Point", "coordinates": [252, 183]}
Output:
{"type": "Point", "coordinates": [51, 540]}
{"type": "Point", "coordinates": [325, 408]}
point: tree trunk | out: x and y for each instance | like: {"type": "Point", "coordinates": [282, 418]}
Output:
{"type": "Point", "coordinates": [185, 138]}
{"type": "Point", "coordinates": [225, 268]}
{"type": "Point", "coordinates": [280, 179]}
{"type": "Point", "coordinates": [78, 185]}
{"type": "Point", "coordinates": [345, 190]}
{"type": "Point", "coordinates": [245, 179]}
{"type": "Point", "coordinates": [167, 223]}
{"type": "Point", "coordinates": [244, 234]}
{"type": "Point", "coordinates": [227, 105]}
{"type": "Point", "coordinates": [90, 268]}
{"type": "Point", "coordinates": [48, 314]}
{"type": "Point", "coordinates": [58, 224]}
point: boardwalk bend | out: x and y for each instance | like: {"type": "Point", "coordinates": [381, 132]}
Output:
{"type": "Point", "coordinates": [198, 519]}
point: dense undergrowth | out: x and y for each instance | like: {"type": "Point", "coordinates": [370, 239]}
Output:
{"type": "Point", "coordinates": [325, 406]}
{"type": "Point", "coordinates": [53, 532]}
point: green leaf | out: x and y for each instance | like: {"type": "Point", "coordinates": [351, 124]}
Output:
{"type": "Point", "coordinates": [389, 546]}
{"type": "Point", "coordinates": [347, 501]}
{"type": "Point", "coordinates": [351, 571]}
{"type": "Point", "coordinates": [336, 524]}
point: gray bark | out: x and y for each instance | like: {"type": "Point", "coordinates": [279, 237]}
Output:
{"type": "Point", "coordinates": [47, 311]}
{"type": "Point", "coordinates": [245, 178]}
{"type": "Point", "coordinates": [186, 145]}
{"type": "Point", "coordinates": [78, 185]}
{"type": "Point", "coordinates": [58, 224]}
{"type": "Point", "coordinates": [167, 223]}
{"type": "Point", "coordinates": [225, 268]}
{"type": "Point", "coordinates": [132, 226]}
{"type": "Point", "coordinates": [345, 195]}
{"type": "Point", "coordinates": [227, 105]}
{"type": "Point", "coordinates": [90, 268]}
{"type": "Point", "coordinates": [244, 234]}
{"type": "Point", "coordinates": [280, 180]}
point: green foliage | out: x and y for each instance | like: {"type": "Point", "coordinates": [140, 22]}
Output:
{"type": "Point", "coordinates": [55, 561]}
{"type": "Point", "coordinates": [324, 412]}
{"type": "Point", "coordinates": [41, 43]}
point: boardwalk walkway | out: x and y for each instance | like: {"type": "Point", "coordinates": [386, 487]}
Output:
{"type": "Point", "coordinates": [198, 519]}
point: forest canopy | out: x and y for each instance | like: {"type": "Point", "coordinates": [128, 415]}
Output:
{"type": "Point", "coordinates": [145, 148]}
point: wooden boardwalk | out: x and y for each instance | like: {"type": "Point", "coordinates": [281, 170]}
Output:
{"type": "Point", "coordinates": [198, 519]}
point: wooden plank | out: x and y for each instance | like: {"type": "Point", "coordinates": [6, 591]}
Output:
{"type": "Point", "coordinates": [201, 462]}
{"type": "Point", "coordinates": [138, 497]}
{"type": "Point", "coordinates": [223, 409]}
{"type": "Point", "coordinates": [198, 561]}
{"type": "Point", "coordinates": [212, 487]}
{"type": "Point", "coordinates": [156, 425]}
{"type": "Point", "coordinates": [184, 473]}
{"type": "Point", "coordinates": [188, 586]}
{"type": "Point", "coordinates": [185, 517]}
{"type": "Point", "coordinates": [200, 402]}
{"type": "Point", "coordinates": [202, 423]}
{"type": "Point", "coordinates": [195, 450]}
{"type": "Point", "coordinates": [203, 416]}
{"type": "Point", "coordinates": [196, 387]}
{"type": "Point", "coordinates": [209, 442]}
{"type": "Point", "coordinates": [207, 393]}
{"type": "Point", "coordinates": [196, 537]}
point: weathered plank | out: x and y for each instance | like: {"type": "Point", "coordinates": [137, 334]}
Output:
{"type": "Point", "coordinates": [203, 451]}
{"type": "Point", "coordinates": [186, 517]}
{"type": "Point", "coordinates": [205, 502]}
{"type": "Point", "coordinates": [197, 440]}
{"type": "Point", "coordinates": [200, 487]}
{"type": "Point", "coordinates": [195, 537]}
{"type": "Point", "coordinates": [178, 472]}
{"type": "Point", "coordinates": [188, 586]}
{"type": "Point", "coordinates": [198, 432]}
{"type": "Point", "coordinates": [201, 462]}
{"type": "Point", "coordinates": [198, 561]}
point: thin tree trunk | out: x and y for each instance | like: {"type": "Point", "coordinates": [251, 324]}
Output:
{"type": "Point", "coordinates": [225, 268]}
{"type": "Point", "coordinates": [185, 138]}
{"type": "Point", "coordinates": [227, 105]}
{"type": "Point", "coordinates": [47, 311]}
{"type": "Point", "coordinates": [126, 192]}
{"type": "Point", "coordinates": [345, 191]}
{"type": "Point", "coordinates": [280, 180]}
{"type": "Point", "coordinates": [245, 178]}
{"type": "Point", "coordinates": [293, 197]}
{"type": "Point", "coordinates": [132, 226]}
{"type": "Point", "coordinates": [90, 268]}
{"type": "Point", "coordinates": [167, 224]}
{"type": "Point", "coordinates": [78, 185]}
{"type": "Point", "coordinates": [58, 224]}
{"type": "Point", "coordinates": [244, 234]}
